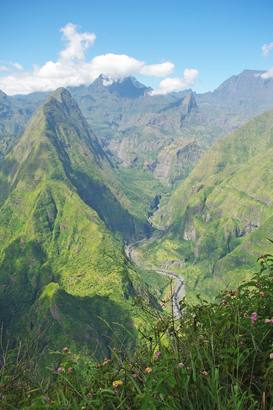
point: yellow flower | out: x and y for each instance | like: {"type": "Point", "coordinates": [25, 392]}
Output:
{"type": "Point", "coordinates": [148, 370]}
{"type": "Point", "coordinates": [117, 383]}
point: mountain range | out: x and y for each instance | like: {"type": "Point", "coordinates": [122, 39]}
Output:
{"type": "Point", "coordinates": [84, 172]}
{"type": "Point", "coordinates": [164, 135]}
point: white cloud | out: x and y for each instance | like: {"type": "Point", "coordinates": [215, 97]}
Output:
{"type": "Point", "coordinates": [72, 68]}
{"type": "Point", "coordinates": [17, 66]}
{"type": "Point", "coordinates": [266, 48]}
{"type": "Point", "coordinates": [267, 74]}
{"type": "Point", "coordinates": [157, 70]}
{"type": "Point", "coordinates": [115, 65]}
{"type": "Point", "coordinates": [77, 43]}
{"type": "Point", "coordinates": [169, 84]}
{"type": "Point", "coordinates": [3, 68]}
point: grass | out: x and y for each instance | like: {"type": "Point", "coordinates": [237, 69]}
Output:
{"type": "Point", "coordinates": [218, 356]}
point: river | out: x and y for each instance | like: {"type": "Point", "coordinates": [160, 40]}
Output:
{"type": "Point", "coordinates": [178, 288]}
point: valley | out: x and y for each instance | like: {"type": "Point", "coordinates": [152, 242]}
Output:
{"type": "Point", "coordinates": [151, 171]}
{"type": "Point", "coordinates": [136, 205]}
{"type": "Point", "coordinates": [119, 209]}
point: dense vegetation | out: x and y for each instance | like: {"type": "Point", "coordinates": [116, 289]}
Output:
{"type": "Point", "coordinates": [86, 225]}
{"type": "Point", "coordinates": [217, 356]}
{"type": "Point", "coordinates": [217, 220]}
{"type": "Point", "coordinates": [62, 224]}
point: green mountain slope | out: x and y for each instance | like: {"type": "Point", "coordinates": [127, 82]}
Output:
{"type": "Point", "coordinates": [61, 267]}
{"type": "Point", "coordinates": [219, 218]}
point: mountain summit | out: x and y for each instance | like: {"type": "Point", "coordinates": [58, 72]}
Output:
{"type": "Point", "coordinates": [128, 87]}
{"type": "Point", "coordinates": [61, 226]}
{"type": "Point", "coordinates": [247, 87]}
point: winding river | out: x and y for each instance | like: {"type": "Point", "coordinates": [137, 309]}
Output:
{"type": "Point", "coordinates": [178, 290]}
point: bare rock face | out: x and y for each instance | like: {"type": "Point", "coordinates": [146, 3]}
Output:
{"type": "Point", "coordinates": [176, 160]}
{"type": "Point", "coordinates": [189, 103]}
{"type": "Point", "coordinates": [189, 232]}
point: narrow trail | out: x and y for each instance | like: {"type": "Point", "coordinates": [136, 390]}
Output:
{"type": "Point", "coordinates": [178, 291]}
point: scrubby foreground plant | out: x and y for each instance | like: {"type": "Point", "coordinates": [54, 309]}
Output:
{"type": "Point", "coordinates": [217, 356]}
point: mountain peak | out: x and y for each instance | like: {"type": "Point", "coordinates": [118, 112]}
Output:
{"type": "Point", "coordinates": [61, 99]}
{"type": "Point", "coordinates": [189, 102]}
{"type": "Point", "coordinates": [61, 94]}
{"type": "Point", "coordinates": [2, 94]}
{"type": "Point", "coordinates": [128, 87]}
{"type": "Point", "coordinates": [245, 87]}
{"type": "Point", "coordinates": [99, 82]}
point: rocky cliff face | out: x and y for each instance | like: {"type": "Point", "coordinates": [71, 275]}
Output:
{"type": "Point", "coordinates": [175, 161]}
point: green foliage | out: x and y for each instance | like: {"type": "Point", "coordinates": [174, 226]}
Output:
{"type": "Point", "coordinates": [218, 219]}
{"type": "Point", "coordinates": [218, 356]}
{"type": "Point", "coordinates": [63, 270]}
{"type": "Point", "coordinates": [140, 187]}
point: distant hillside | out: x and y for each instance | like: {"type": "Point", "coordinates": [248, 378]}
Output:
{"type": "Point", "coordinates": [163, 136]}
{"type": "Point", "coordinates": [220, 217]}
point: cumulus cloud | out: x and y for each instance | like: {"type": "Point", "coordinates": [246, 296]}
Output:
{"type": "Point", "coordinates": [267, 74]}
{"type": "Point", "coordinates": [72, 68]}
{"type": "Point", "coordinates": [157, 70]}
{"type": "Point", "coordinates": [266, 48]}
{"type": "Point", "coordinates": [17, 66]}
{"type": "Point", "coordinates": [115, 65]}
{"type": "Point", "coordinates": [169, 84]}
{"type": "Point", "coordinates": [77, 43]}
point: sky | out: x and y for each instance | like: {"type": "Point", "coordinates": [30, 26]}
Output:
{"type": "Point", "coordinates": [168, 45]}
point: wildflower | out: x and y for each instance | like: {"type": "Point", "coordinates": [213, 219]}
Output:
{"type": "Point", "coordinates": [69, 370]}
{"type": "Point", "coordinates": [180, 365]}
{"type": "Point", "coordinates": [204, 373]}
{"type": "Point", "coordinates": [65, 350]}
{"type": "Point", "coordinates": [271, 356]}
{"type": "Point", "coordinates": [269, 320]}
{"type": "Point", "coordinates": [117, 383]}
{"type": "Point", "coordinates": [59, 370]}
{"type": "Point", "coordinates": [90, 395]}
{"type": "Point", "coordinates": [253, 317]}
{"type": "Point", "coordinates": [148, 370]}
{"type": "Point", "coordinates": [157, 354]}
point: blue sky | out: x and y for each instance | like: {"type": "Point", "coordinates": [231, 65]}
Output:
{"type": "Point", "coordinates": [217, 38]}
